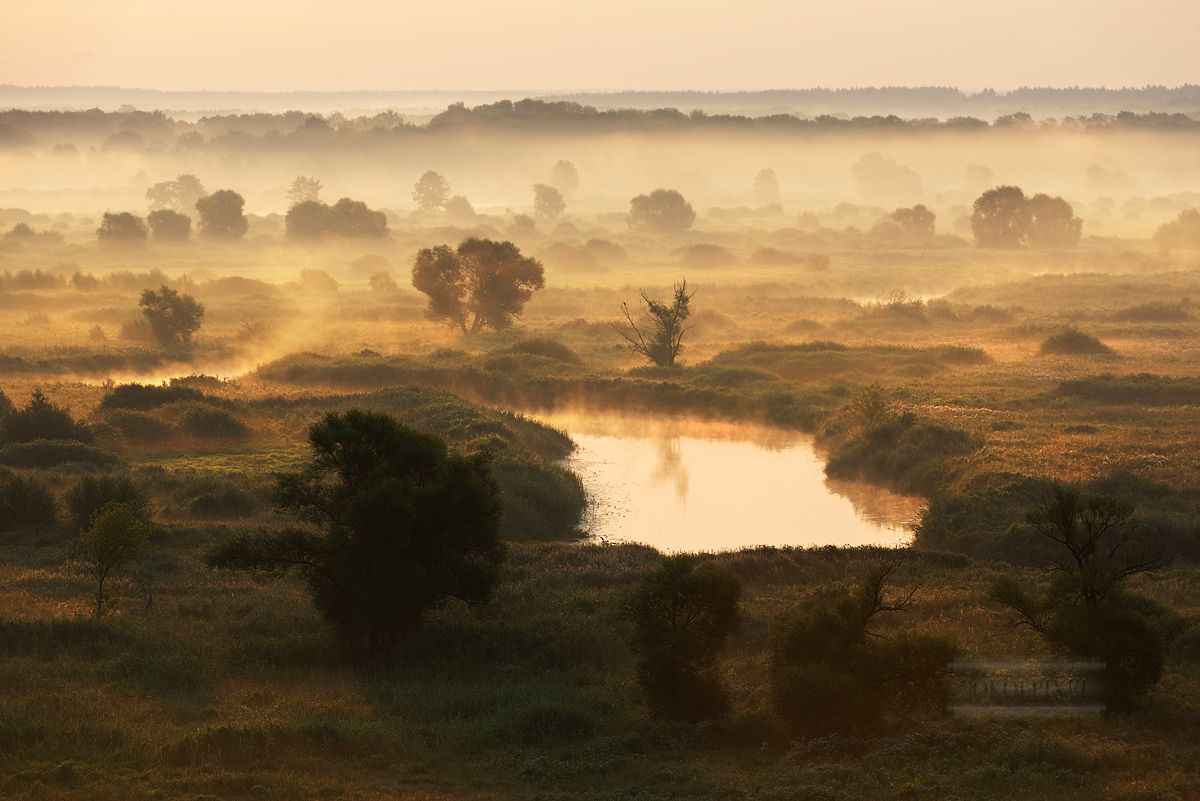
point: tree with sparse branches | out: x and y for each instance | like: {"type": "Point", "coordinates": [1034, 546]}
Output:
{"type": "Point", "coordinates": [304, 189]}
{"type": "Point", "coordinates": [116, 537]}
{"type": "Point", "coordinates": [659, 337]}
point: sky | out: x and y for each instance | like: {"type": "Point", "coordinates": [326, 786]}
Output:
{"type": "Point", "coordinates": [592, 45]}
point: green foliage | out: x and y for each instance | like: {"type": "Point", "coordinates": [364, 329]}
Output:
{"type": "Point", "coordinates": [41, 419]}
{"type": "Point", "coordinates": [538, 501]}
{"type": "Point", "coordinates": [872, 406]}
{"type": "Point", "coordinates": [399, 525]}
{"type": "Point", "coordinates": [830, 673]}
{"type": "Point", "coordinates": [47, 453]}
{"type": "Point", "coordinates": [221, 215]}
{"type": "Point", "coordinates": [117, 537]}
{"type": "Point", "coordinates": [25, 502]}
{"type": "Point", "coordinates": [138, 427]}
{"type": "Point", "coordinates": [1073, 342]}
{"type": "Point", "coordinates": [173, 317]}
{"type": "Point", "coordinates": [147, 396]}
{"type": "Point", "coordinates": [907, 453]}
{"type": "Point", "coordinates": [483, 282]}
{"type": "Point", "coordinates": [682, 612]}
{"type": "Point", "coordinates": [1084, 608]}
{"type": "Point", "coordinates": [93, 493]}
{"type": "Point", "coordinates": [207, 422]}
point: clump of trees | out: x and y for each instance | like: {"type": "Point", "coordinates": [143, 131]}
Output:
{"type": "Point", "coordinates": [1005, 218]}
{"type": "Point", "coordinates": [121, 228]}
{"type": "Point", "coordinates": [682, 612]}
{"type": "Point", "coordinates": [431, 191]}
{"type": "Point", "coordinates": [480, 283]}
{"type": "Point", "coordinates": [1181, 233]}
{"type": "Point", "coordinates": [25, 502]}
{"type": "Point", "coordinates": [1083, 607]}
{"type": "Point", "coordinates": [661, 211]}
{"type": "Point", "coordinates": [659, 335]}
{"type": "Point", "coordinates": [548, 203]}
{"type": "Point", "coordinates": [832, 672]}
{"type": "Point", "coordinates": [92, 493]}
{"type": "Point", "coordinates": [396, 525]}
{"type": "Point", "coordinates": [40, 419]}
{"type": "Point", "coordinates": [180, 194]}
{"type": "Point", "coordinates": [352, 219]}
{"type": "Point", "coordinates": [173, 317]}
{"type": "Point", "coordinates": [167, 225]}
{"type": "Point", "coordinates": [222, 216]}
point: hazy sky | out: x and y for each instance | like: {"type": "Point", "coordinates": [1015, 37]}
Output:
{"type": "Point", "coordinates": [598, 44]}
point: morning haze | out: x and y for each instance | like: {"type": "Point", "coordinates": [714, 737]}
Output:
{"type": "Point", "coordinates": [599, 401]}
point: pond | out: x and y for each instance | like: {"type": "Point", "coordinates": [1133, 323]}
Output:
{"type": "Point", "coordinates": [692, 485]}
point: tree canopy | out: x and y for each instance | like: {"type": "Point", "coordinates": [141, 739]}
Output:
{"type": "Point", "coordinates": [480, 283]}
{"type": "Point", "coordinates": [431, 191]}
{"type": "Point", "coordinates": [172, 317]}
{"type": "Point", "coordinates": [661, 211]}
{"type": "Point", "coordinates": [221, 215]}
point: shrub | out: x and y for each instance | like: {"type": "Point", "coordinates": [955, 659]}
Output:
{"type": "Point", "coordinates": [173, 317]}
{"type": "Point", "coordinates": [223, 504]}
{"type": "Point", "coordinates": [706, 256]}
{"type": "Point", "coordinates": [25, 502]}
{"type": "Point", "coordinates": [47, 453]}
{"type": "Point", "coordinates": [42, 419]}
{"type": "Point", "coordinates": [907, 453]}
{"type": "Point", "coordinates": [539, 501]}
{"type": "Point", "coordinates": [138, 426]}
{"type": "Point", "coordinates": [547, 348]}
{"type": "Point", "coordinates": [1143, 389]}
{"type": "Point", "coordinates": [144, 396]}
{"type": "Point", "coordinates": [93, 492]}
{"type": "Point", "coordinates": [1072, 342]}
{"type": "Point", "coordinates": [202, 421]}
{"type": "Point", "coordinates": [831, 674]}
{"type": "Point", "coordinates": [1153, 313]}
{"type": "Point", "coordinates": [404, 526]}
{"type": "Point", "coordinates": [682, 612]}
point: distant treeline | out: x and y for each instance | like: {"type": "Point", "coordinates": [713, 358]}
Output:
{"type": "Point", "coordinates": [134, 130]}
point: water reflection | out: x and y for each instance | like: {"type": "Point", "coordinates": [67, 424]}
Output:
{"type": "Point", "coordinates": [690, 485]}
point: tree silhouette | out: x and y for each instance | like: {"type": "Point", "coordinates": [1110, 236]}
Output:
{"type": "Point", "coordinates": [173, 317]}
{"type": "Point", "coordinates": [482, 281]}
{"type": "Point", "coordinates": [397, 525]}
{"type": "Point", "coordinates": [178, 195]}
{"type": "Point", "coordinates": [1053, 223]}
{"type": "Point", "coordinates": [1001, 218]}
{"type": "Point", "coordinates": [564, 177]}
{"type": "Point", "coordinates": [115, 538]}
{"type": "Point", "coordinates": [169, 226]}
{"type": "Point", "coordinates": [917, 221]}
{"type": "Point", "coordinates": [766, 187]}
{"type": "Point", "coordinates": [122, 228]}
{"type": "Point", "coordinates": [303, 189]}
{"type": "Point", "coordinates": [661, 211]}
{"type": "Point", "coordinates": [431, 191]}
{"type": "Point", "coordinates": [548, 203]}
{"type": "Point", "coordinates": [660, 336]}
{"type": "Point", "coordinates": [352, 219]}
{"type": "Point", "coordinates": [221, 215]}
{"type": "Point", "coordinates": [1182, 232]}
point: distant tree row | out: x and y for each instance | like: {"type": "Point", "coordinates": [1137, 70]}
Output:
{"type": "Point", "coordinates": [222, 215]}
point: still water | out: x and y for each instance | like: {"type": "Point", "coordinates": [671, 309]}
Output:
{"type": "Point", "coordinates": [689, 485]}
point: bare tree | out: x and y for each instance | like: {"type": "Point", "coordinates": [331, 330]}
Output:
{"type": "Point", "coordinates": [660, 336]}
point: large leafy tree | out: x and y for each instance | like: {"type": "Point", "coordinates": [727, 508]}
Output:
{"type": "Point", "coordinates": [1001, 218]}
{"type": "Point", "coordinates": [661, 211]}
{"type": "Point", "coordinates": [121, 228]}
{"type": "Point", "coordinates": [172, 317]}
{"type": "Point", "coordinates": [1053, 223]}
{"type": "Point", "coordinates": [179, 194]}
{"type": "Point", "coordinates": [396, 525]}
{"type": "Point", "coordinates": [480, 283]}
{"type": "Point", "coordinates": [431, 191]}
{"type": "Point", "coordinates": [221, 215]}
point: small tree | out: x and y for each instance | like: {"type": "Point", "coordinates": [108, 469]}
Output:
{"type": "Point", "coordinates": [917, 221]}
{"type": "Point", "coordinates": [304, 189]}
{"type": "Point", "coordinates": [180, 194]}
{"type": "Point", "coordinates": [94, 492]}
{"type": "Point", "coordinates": [1084, 608]}
{"type": "Point", "coordinates": [431, 192]}
{"type": "Point", "coordinates": [116, 538]}
{"type": "Point", "coordinates": [872, 406]}
{"type": "Point", "coordinates": [398, 525]}
{"type": "Point", "coordinates": [221, 215]}
{"type": "Point", "coordinates": [1053, 223]}
{"type": "Point", "coordinates": [172, 317]}
{"type": "Point", "coordinates": [564, 177]}
{"type": "Point", "coordinates": [482, 282]}
{"type": "Point", "coordinates": [661, 211]}
{"type": "Point", "coordinates": [122, 228]}
{"type": "Point", "coordinates": [766, 187]}
{"type": "Point", "coordinates": [548, 203]}
{"type": "Point", "coordinates": [682, 612]}
{"type": "Point", "coordinates": [169, 226]}
{"type": "Point", "coordinates": [41, 418]}
{"type": "Point", "coordinates": [660, 336]}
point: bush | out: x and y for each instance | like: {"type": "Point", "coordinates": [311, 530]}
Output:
{"type": "Point", "coordinates": [145, 396]}
{"type": "Point", "coordinates": [25, 502]}
{"type": "Point", "coordinates": [203, 421]}
{"type": "Point", "coordinates": [1144, 389]}
{"type": "Point", "coordinates": [703, 256]}
{"type": "Point", "coordinates": [547, 348]}
{"type": "Point", "coordinates": [830, 674]}
{"type": "Point", "coordinates": [1072, 342]}
{"type": "Point", "coordinates": [907, 453]}
{"type": "Point", "coordinates": [1153, 313]}
{"type": "Point", "coordinates": [682, 612]}
{"type": "Point", "coordinates": [138, 427]}
{"type": "Point", "coordinates": [47, 453]}
{"type": "Point", "coordinates": [222, 504]}
{"type": "Point", "coordinates": [539, 501]}
{"type": "Point", "coordinates": [93, 492]}
{"type": "Point", "coordinates": [41, 419]}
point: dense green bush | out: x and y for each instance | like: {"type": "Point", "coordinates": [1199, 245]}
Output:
{"type": "Point", "coordinates": [42, 419]}
{"type": "Point", "coordinates": [204, 421]}
{"type": "Point", "coordinates": [830, 673]}
{"type": "Point", "coordinates": [398, 526]}
{"type": "Point", "coordinates": [47, 453]}
{"type": "Point", "coordinates": [907, 453]}
{"type": "Point", "coordinates": [1072, 342]}
{"type": "Point", "coordinates": [93, 492]}
{"type": "Point", "coordinates": [682, 612]}
{"type": "Point", "coordinates": [138, 427]}
{"type": "Point", "coordinates": [25, 502]}
{"type": "Point", "coordinates": [147, 396]}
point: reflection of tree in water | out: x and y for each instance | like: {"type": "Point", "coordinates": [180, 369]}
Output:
{"type": "Point", "coordinates": [670, 465]}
